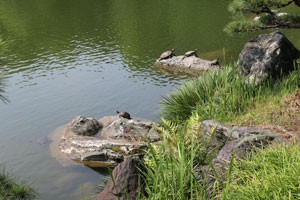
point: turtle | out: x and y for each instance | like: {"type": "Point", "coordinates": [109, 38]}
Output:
{"type": "Point", "coordinates": [167, 54]}
{"type": "Point", "coordinates": [44, 140]}
{"type": "Point", "coordinates": [190, 53]}
{"type": "Point", "coordinates": [125, 115]}
{"type": "Point", "coordinates": [215, 62]}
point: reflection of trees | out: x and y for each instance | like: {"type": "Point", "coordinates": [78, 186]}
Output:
{"type": "Point", "coordinates": [2, 91]}
{"type": "Point", "coordinates": [46, 35]}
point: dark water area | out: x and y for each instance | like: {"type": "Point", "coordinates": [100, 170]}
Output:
{"type": "Point", "coordinates": [63, 58]}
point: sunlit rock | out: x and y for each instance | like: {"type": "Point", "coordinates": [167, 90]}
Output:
{"type": "Point", "coordinates": [116, 138]}
{"type": "Point", "coordinates": [188, 63]}
{"type": "Point", "coordinates": [268, 55]}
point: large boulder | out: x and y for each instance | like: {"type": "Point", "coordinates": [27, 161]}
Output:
{"type": "Point", "coordinates": [127, 179]}
{"type": "Point", "coordinates": [268, 55]}
{"type": "Point", "coordinates": [107, 141]}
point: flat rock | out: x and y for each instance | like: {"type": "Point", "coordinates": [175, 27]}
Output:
{"type": "Point", "coordinates": [188, 63]}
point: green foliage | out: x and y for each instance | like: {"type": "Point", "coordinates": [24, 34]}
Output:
{"type": "Point", "coordinates": [267, 11]}
{"type": "Point", "coordinates": [170, 163]}
{"type": "Point", "coordinates": [222, 95]}
{"type": "Point", "coordinates": [10, 189]}
{"type": "Point", "coordinates": [271, 173]}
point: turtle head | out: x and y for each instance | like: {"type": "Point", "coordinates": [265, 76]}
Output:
{"type": "Point", "coordinates": [173, 50]}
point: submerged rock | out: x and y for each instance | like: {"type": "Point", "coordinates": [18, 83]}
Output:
{"type": "Point", "coordinates": [268, 55]}
{"type": "Point", "coordinates": [116, 138]}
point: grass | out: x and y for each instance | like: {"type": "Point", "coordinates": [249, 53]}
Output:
{"type": "Point", "coordinates": [10, 189]}
{"type": "Point", "coordinates": [170, 163]}
{"type": "Point", "coordinates": [271, 173]}
{"type": "Point", "coordinates": [223, 95]}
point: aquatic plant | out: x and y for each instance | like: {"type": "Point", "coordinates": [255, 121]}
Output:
{"type": "Point", "coordinates": [11, 189]}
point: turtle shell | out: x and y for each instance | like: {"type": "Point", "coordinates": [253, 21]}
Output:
{"type": "Point", "coordinates": [125, 115]}
{"type": "Point", "coordinates": [167, 54]}
{"type": "Point", "coordinates": [191, 53]}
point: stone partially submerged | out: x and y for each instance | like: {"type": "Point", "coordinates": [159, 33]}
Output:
{"type": "Point", "coordinates": [268, 55]}
{"type": "Point", "coordinates": [183, 62]}
{"type": "Point", "coordinates": [107, 141]}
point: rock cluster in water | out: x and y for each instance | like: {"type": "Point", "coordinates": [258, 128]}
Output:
{"type": "Point", "coordinates": [107, 141]}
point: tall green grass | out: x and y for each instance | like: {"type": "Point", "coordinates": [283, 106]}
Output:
{"type": "Point", "coordinates": [222, 95]}
{"type": "Point", "coordinates": [11, 189]}
{"type": "Point", "coordinates": [170, 163]}
{"type": "Point", "coordinates": [271, 173]}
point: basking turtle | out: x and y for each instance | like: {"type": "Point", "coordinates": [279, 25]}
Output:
{"type": "Point", "coordinates": [215, 62]}
{"type": "Point", "coordinates": [190, 53]}
{"type": "Point", "coordinates": [166, 55]}
{"type": "Point", "coordinates": [125, 115]}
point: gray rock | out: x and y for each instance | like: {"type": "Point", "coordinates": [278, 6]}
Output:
{"type": "Point", "coordinates": [83, 126]}
{"type": "Point", "coordinates": [187, 63]}
{"type": "Point", "coordinates": [228, 141]}
{"type": "Point", "coordinates": [268, 55]}
{"type": "Point", "coordinates": [125, 183]}
{"type": "Point", "coordinates": [117, 139]}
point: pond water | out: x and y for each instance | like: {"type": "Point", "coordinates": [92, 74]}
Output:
{"type": "Point", "coordinates": [63, 58]}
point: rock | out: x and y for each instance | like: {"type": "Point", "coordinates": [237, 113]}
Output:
{"type": "Point", "coordinates": [83, 126]}
{"type": "Point", "coordinates": [188, 63]}
{"type": "Point", "coordinates": [117, 139]}
{"type": "Point", "coordinates": [125, 183]}
{"type": "Point", "coordinates": [268, 55]}
{"type": "Point", "coordinates": [228, 141]}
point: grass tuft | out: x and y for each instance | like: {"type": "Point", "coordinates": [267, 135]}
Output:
{"type": "Point", "coordinates": [10, 189]}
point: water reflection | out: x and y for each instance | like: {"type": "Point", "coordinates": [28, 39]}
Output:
{"type": "Point", "coordinates": [49, 36]}
{"type": "Point", "coordinates": [3, 97]}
